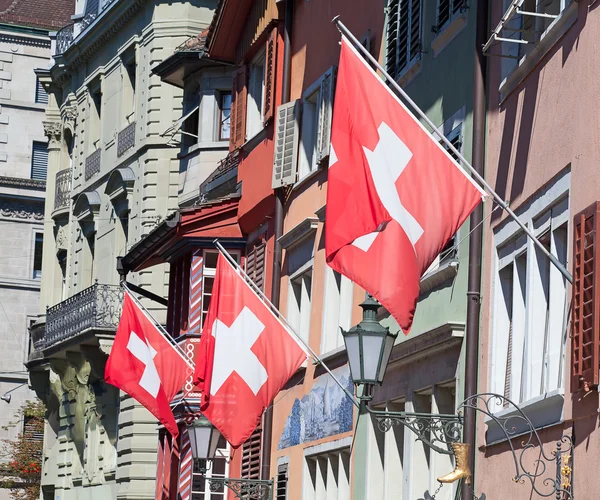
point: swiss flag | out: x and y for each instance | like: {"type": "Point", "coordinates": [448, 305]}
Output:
{"type": "Point", "coordinates": [395, 197]}
{"type": "Point", "coordinates": [245, 356]}
{"type": "Point", "coordinates": [145, 365]}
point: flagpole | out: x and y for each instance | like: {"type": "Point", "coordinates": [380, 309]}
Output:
{"type": "Point", "coordinates": [357, 45]}
{"type": "Point", "coordinates": [165, 334]}
{"type": "Point", "coordinates": [261, 296]}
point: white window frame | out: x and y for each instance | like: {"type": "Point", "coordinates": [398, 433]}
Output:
{"type": "Point", "coordinates": [309, 130]}
{"type": "Point", "coordinates": [254, 110]}
{"type": "Point", "coordinates": [298, 313]}
{"type": "Point", "coordinates": [535, 372]}
{"type": "Point", "coordinates": [221, 454]}
{"type": "Point", "coordinates": [337, 310]}
{"type": "Point", "coordinates": [325, 474]}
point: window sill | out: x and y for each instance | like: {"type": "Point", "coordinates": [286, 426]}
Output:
{"type": "Point", "coordinates": [548, 39]}
{"type": "Point", "coordinates": [410, 72]}
{"type": "Point", "coordinates": [253, 141]}
{"type": "Point", "coordinates": [448, 33]}
{"type": "Point", "coordinates": [445, 272]}
{"type": "Point", "coordinates": [204, 146]}
{"type": "Point", "coordinates": [306, 179]}
{"type": "Point", "coordinates": [543, 411]}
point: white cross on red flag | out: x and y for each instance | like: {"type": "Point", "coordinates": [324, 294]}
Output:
{"type": "Point", "coordinates": [395, 197]}
{"type": "Point", "coordinates": [245, 356]}
{"type": "Point", "coordinates": [145, 365]}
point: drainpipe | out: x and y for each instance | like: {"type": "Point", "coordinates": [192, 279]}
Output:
{"type": "Point", "coordinates": [279, 203]}
{"type": "Point", "coordinates": [475, 239]}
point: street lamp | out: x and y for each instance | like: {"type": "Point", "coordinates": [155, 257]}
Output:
{"type": "Point", "coordinates": [369, 346]}
{"type": "Point", "coordinates": [204, 440]}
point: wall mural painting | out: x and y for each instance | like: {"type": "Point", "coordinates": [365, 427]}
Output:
{"type": "Point", "coordinates": [323, 412]}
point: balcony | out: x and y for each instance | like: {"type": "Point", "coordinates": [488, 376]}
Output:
{"type": "Point", "coordinates": [67, 35]}
{"type": "Point", "coordinates": [95, 308]}
{"type": "Point", "coordinates": [92, 164]}
{"type": "Point", "coordinates": [126, 139]}
{"type": "Point", "coordinates": [62, 190]}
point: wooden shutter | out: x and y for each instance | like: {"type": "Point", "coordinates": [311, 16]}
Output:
{"type": "Point", "coordinates": [287, 134]}
{"type": "Point", "coordinates": [255, 262]}
{"type": "Point", "coordinates": [325, 115]}
{"type": "Point", "coordinates": [270, 76]}
{"type": "Point", "coordinates": [415, 29]}
{"type": "Point", "coordinates": [282, 482]}
{"type": "Point", "coordinates": [238, 108]}
{"type": "Point", "coordinates": [39, 161]}
{"type": "Point", "coordinates": [585, 337]}
{"type": "Point", "coordinates": [391, 41]}
{"type": "Point", "coordinates": [251, 455]}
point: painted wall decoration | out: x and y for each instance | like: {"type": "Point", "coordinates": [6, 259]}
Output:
{"type": "Point", "coordinates": [323, 412]}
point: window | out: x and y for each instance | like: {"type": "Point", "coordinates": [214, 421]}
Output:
{"type": "Point", "coordinates": [128, 76]}
{"type": "Point", "coordinates": [256, 90]}
{"type": "Point", "coordinates": [337, 310]}
{"type": "Point", "coordinates": [208, 278]}
{"type": "Point", "coordinates": [282, 482]}
{"type": "Point", "coordinates": [403, 37]}
{"type": "Point", "coordinates": [90, 259]}
{"type": "Point", "coordinates": [41, 97]}
{"type": "Point", "coordinates": [446, 11]}
{"type": "Point", "coordinates": [399, 466]}
{"type": "Point", "coordinates": [38, 247]}
{"type": "Point", "coordinates": [225, 116]}
{"type": "Point", "coordinates": [95, 110]}
{"type": "Point", "coordinates": [299, 302]}
{"type": "Point", "coordinates": [317, 106]}
{"type": "Point", "coordinates": [327, 475]}
{"type": "Point", "coordinates": [219, 468]}
{"type": "Point", "coordinates": [530, 306]}
{"type": "Point", "coordinates": [251, 454]}
{"type": "Point", "coordinates": [39, 160]}
{"type": "Point", "coordinates": [535, 19]}
{"type": "Point", "coordinates": [62, 264]}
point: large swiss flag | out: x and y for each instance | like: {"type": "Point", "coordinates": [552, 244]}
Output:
{"type": "Point", "coordinates": [245, 356]}
{"type": "Point", "coordinates": [395, 197]}
{"type": "Point", "coordinates": [145, 365]}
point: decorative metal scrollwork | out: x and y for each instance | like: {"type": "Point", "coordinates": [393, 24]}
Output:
{"type": "Point", "coordinates": [246, 489]}
{"type": "Point", "coordinates": [435, 431]}
{"type": "Point", "coordinates": [524, 440]}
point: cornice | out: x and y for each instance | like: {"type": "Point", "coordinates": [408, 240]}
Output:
{"type": "Point", "coordinates": [22, 183]}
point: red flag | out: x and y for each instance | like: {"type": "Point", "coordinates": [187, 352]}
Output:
{"type": "Point", "coordinates": [145, 365]}
{"type": "Point", "coordinates": [245, 356]}
{"type": "Point", "coordinates": [395, 197]}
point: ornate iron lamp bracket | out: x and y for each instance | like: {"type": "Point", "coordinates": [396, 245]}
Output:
{"type": "Point", "coordinates": [435, 431]}
{"type": "Point", "coordinates": [532, 463]}
{"type": "Point", "coordinates": [246, 489]}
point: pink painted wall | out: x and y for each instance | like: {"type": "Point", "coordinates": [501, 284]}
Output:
{"type": "Point", "coordinates": [550, 121]}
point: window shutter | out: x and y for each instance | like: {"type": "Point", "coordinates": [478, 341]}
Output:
{"type": "Point", "coordinates": [270, 76]}
{"type": "Point", "coordinates": [415, 29]}
{"type": "Point", "coordinates": [443, 14]}
{"type": "Point", "coordinates": [41, 96]}
{"type": "Point", "coordinates": [287, 132]}
{"type": "Point", "coordinates": [39, 161]}
{"type": "Point", "coordinates": [325, 114]}
{"type": "Point", "coordinates": [585, 338]}
{"type": "Point", "coordinates": [282, 482]}
{"type": "Point", "coordinates": [251, 455]}
{"type": "Point", "coordinates": [391, 52]}
{"type": "Point", "coordinates": [402, 36]}
{"type": "Point", "coordinates": [238, 108]}
{"type": "Point", "coordinates": [255, 262]}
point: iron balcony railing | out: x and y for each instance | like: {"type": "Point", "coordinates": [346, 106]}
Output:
{"type": "Point", "coordinates": [96, 307]}
{"type": "Point", "coordinates": [66, 36]}
{"type": "Point", "coordinates": [92, 164]}
{"type": "Point", "coordinates": [62, 190]}
{"type": "Point", "coordinates": [126, 139]}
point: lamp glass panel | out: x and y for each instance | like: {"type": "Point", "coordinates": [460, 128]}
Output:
{"type": "Point", "coordinates": [200, 440]}
{"type": "Point", "coordinates": [353, 349]}
{"type": "Point", "coordinates": [214, 442]}
{"type": "Point", "coordinates": [389, 344]}
{"type": "Point", "coordinates": [372, 346]}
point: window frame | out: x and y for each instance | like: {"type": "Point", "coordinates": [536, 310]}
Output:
{"type": "Point", "coordinates": [399, 70]}
{"type": "Point", "coordinates": [221, 120]}
{"type": "Point", "coordinates": [312, 490]}
{"type": "Point", "coordinates": [344, 298]}
{"type": "Point", "coordinates": [210, 273]}
{"type": "Point", "coordinates": [33, 154]}
{"type": "Point", "coordinates": [37, 232]}
{"type": "Point", "coordinates": [41, 96]}
{"type": "Point", "coordinates": [300, 319]}
{"type": "Point", "coordinates": [255, 117]}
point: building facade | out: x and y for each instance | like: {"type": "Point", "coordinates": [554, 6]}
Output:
{"type": "Point", "coordinates": [25, 45]}
{"type": "Point", "coordinates": [539, 334]}
{"type": "Point", "coordinates": [112, 177]}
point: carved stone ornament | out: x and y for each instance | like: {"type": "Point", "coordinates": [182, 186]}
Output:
{"type": "Point", "coordinates": [71, 113]}
{"type": "Point", "coordinates": [62, 237]}
{"type": "Point", "coordinates": [19, 210]}
{"type": "Point", "coordinates": [53, 131]}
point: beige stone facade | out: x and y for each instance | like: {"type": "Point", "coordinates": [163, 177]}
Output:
{"type": "Point", "coordinates": [112, 177]}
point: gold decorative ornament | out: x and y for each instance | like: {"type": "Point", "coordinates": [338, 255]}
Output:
{"type": "Point", "coordinates": [461, 470]}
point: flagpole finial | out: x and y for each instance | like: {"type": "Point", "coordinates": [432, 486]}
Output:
{"type": "Point", "coordinates": [336, 19]}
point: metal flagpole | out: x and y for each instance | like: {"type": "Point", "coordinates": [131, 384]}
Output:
{"type": "Point", "coordinates": [358, 46]}
{"type": "Point", "coordinates": [257, 291]}
{"type": "Point", "coordinates": [165, 334]}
